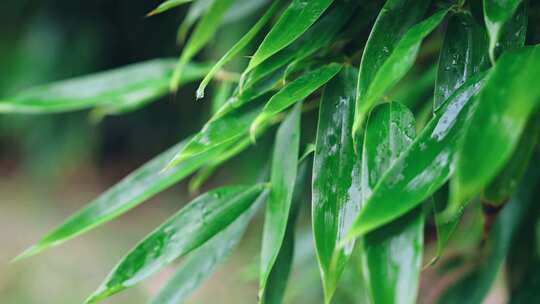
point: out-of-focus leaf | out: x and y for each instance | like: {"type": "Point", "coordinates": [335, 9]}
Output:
{"type": "Point", "coordinates": [296, 19]}
{"type": "Point", "coordinates": [195, 11]}
{"type": "Point", "coordinates": [185, 231]}
{"type": "Point", "coordinates": [131, 191]}
{"type": "Point", "coordinates": [463, 54]}
{"type": "Point", "coordinates": [241, 44]}
{"type": "Point", "coordinates": [216, 133]}
{"type": "Point", "coordinates": [117, 90]}
{"type": "Point", "coordinates": [474, 287]}
{"type": "Point", "coordinates": [203, 32]}
{"type": "Point", "coordinates": [167, 5]}
{"type": "Point", "coordinates": [283, 176]}
{"type": "Point", "coordinates": [336, 177]}
{"type": "Point", "coordinates": [393, 25]}
{"type": "Point", "coordinates": [205, 260]}
{"type": "Point", "coordinates": [221, 95]}
{"type": "Point", "coordinates": [415, 89]}
{"type": "Point", "coordinates": [496, 14]}
{"type": "Point", "coordinates": [241, 9]}
{"type": "Point", "coordinates": [392, 254]}
{"type": "Point", "coordinates": [424, 167]}
{"type": "Point", "coordinates": [445, 228]}
{"type": "Point", "coordinates": [504, 107]}
{"type": "Point", "coordinates": [298, 89]}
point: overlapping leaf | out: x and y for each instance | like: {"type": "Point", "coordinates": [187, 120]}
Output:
{"type": "Point", "coordinates": [496, 14]}
{"type": "Point", "coordinates": [185, 231]}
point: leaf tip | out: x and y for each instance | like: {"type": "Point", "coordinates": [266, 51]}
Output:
{"type": "Point", "coordinates": [33, 250]}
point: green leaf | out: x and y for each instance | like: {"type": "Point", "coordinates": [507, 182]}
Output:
{"type": "Point", "coordinates": [167, 5]}
{"type": "Point", "coordinates": [445, 228]}
{"type": "Point", "coordinates": [504, 107]}
{"type": "Point", "coordinates": [195, 11]}
{"type": "Point", "coordinates": [391, 52]}
{"type": "Point", "coordinates": [424, 167]}
{"type": "Point", "coordinates": [117, 90]}
{"type": "Point", "coordinates": [296, 19]}
{"type": "Point", "coordinates": [240, 45]}
{"type": "Point", "coordinates": [496, 14]}
{"type": "Point", "coordinates": [185, 231]}
{"type": "Point", "coordinates": [336, 178]}
{"type": "Point", "coordinates": [392, 254]}
{"type": "Point", "coordinates": [514, 32]}
{"type": "Point", "coordinates": [131, 191]}
{"type": "Point", "coordinates": [296, 90]}
{"type": "Point", "coordinates": [223, 91]}
{"type": "Point", "coordinates": [463, 54]}
{"type": "Point", "coordinates": [203, 261]}
{"type": "Point", "coordinates": [203, 32]}
{"type": "Point", "coordinates": [283, 176]}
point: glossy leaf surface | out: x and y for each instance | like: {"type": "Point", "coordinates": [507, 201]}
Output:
{"type": "Point", "coordinates": [445, 228]}
{"type": "Point", "coordinates": [131, 191]}
{"type": "Point", "coordinates": [463, 54]}
{"type": "Point", "coordinates": [294, 21]}
{"type": "Point", "coordinates": [504, 107]}
{"type": "Point", "coordinates": [296, 90]}
{"type": "Point", "coordinates": [167, 5]}
{"type": "Point", "coordinates": [116, 90]}
{"type": "Point", "coordinates": [424, 167]}
{"type": "Point", "coordinates": [336, 177]}
{"type": "Point", "coordinates": [185, 231]}
{"type": "Point", "coordinates": [282, 179]}
{"type": "Point", "coordinates": [496, 13]}
{"type": "Point", "coordinates": [394, 21]}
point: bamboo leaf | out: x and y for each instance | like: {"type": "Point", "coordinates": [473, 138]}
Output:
{"type": "Point", "coordinates": [196, 10]}
{"type": "Point", "coordinates": [336, 181]}
{"type": "Point", "coordinates": [496, 14]}
{"type": "Point", "coordinates": [117, 90]}
{"type": "Point", "coordinates": [131, 191]}
{"type": "Point", "coordinates": [203, 32]}
{"type": "Point", "coordinates": [296, 90]}
{"type": "Point", "coordinates": [296, 19]}
{"type": "Point", "coordinates": [424, 167]}
{"type": "Point", "coordinates": [205, 260]}
{"type": "Point", "coordinates": [504, 107]}
{"type": "Point", "coordinates": [463, 54]}
{"type": "Point", "coordinates": [185, 231]}
{"type": "Point", "coordinates": [391, 51]}
{"type": "Point", "coordinates": [167, 5]}
{"type": "Point", "coordinates": [445, 228]}
{"type": "Point", "coordinates": [283, 176]}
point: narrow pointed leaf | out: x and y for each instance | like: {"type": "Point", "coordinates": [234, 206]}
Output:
{"type": "Point", "coordinates": [240, 45]}
{"type": "Point", "coordinates": [196, 10]}
{"type": "Point", "coordinates": [445, 228]}
{"type": "Point", "coordinates": [203, 32]}
{"type": "Point", "coordinates": [504, 107]}
{"type": "Point", "coordinates": [336, 177]}
{"type": "Point", "coordinates": [203, 261]}
{"type": "Point", "coordinates": [283, 176]}
{"type": "Point", "coordinates": [514, 31]}
{"type": "Point", "coordinates": [424, 167]}
{"type": "Point", "coordinates": [298, 89]}
{"type": "Point", "coordinates": [185, 231]}
{"type": "Point", "coordinates": [118, 88]}
{"type": "Point", "coordinates": [396, 61]}
{"type": "Point", "coordinates": [131, 191]}
{"type": "Point", "coordinates": [296, 19]}
{"type": "Point", "coordinates": [463, 54]}
{"type": "Point", "coordinates": [496, 13]}
{"type": "Point", "coordinates": [167, 5]}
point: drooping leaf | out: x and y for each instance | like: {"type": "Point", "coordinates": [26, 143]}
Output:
{"type": "Point", "coordinates": [196, 10]}
{"type": "Point", "coordinates": [117, 90]}
{"type": "Point", "coordinates": [131, 191]}
{"type": "Point", "coordinates": [393, 24]}
{"type": "Point", "coordinates": [298, 89]}
{"type": "Point", "coordinates": [192, 226]}
{"type": "Point", "coordinates": [283, 176]}
{"type": "Point", "coordinates": [514, 31]}
{"type": "Point", "coordinates": [496, 13]}
{"type": "Point", "coordinates": [336, 177]}
{"type": "Point", "coordinates": [241, 44]}
{"type": "Point", "coordinates": [504, 107]}
{"type": "Point", "coordinates": [203, 261]}
{"type": "Point", "coordinates": [424, 167]}
{"type": "Point", "coordinates": [463, 54]}
{"type": "Point", "coordinates": [203, 32]}
{"type": "Point", "coordinates": [392, 254]}
{"type": "Point", "coordinates": [167, 5]}
{"type": "Point", "coordinates": [296, 19]}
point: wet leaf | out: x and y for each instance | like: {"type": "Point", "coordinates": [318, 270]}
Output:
{"type": "Point", "coordinates": [117, 90]}
{"type": "Point", "coordinates": [424, 167]}
{"type": "Point", "coordinates": [282, 180]}
{"type": "Point", "coordinates": [496, 14]}
{"type": "Point", "coordinates": [463, 54]}
{"type": "Point", "coordinates": [445, 228]}
{"type": "Point", "coordinates": [504, 107]}
{"type": "Point", "coordinates": [336, 179]}
{"type": "Point", "coordinates": [294, 21]}
{"type": "Point", "coordinates": [192, 226]}
{"type": "Point", "coordinates": [296, 90]}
